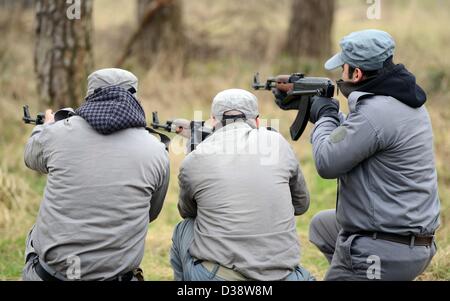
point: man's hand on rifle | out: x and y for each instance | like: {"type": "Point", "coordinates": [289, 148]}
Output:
{"type": "Point", "coordinates": [49, 117]}
{"type": "Point", "coordinates": [279, 97]}
{"type": "Point", "coordinates": [182, 127]}
{"type": "Point", "coordinates": [280, 91]}
{"type": "Point", "coordinates": [323, 107]}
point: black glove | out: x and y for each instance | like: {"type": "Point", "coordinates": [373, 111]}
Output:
{"type": "Point", "coordinates": [323, 107]}
{"type": "Point", "coordinates": [279, 97]}
{"type": "Point", "coordinates": [280, 100]}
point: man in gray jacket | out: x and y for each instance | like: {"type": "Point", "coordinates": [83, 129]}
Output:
{"type": "Point", "coordinates": [240, 191]}
{"type": "Point", "coordinates": [107, 179]}
{"type": "Point", "coordinates": [382, 154]}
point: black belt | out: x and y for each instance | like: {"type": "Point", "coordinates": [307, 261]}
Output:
{"type": "Point", "coordinates": [42, 273]}
{"type": "Point", "coordinates": [411, 240]}
{"type": "Point", "coordinates": [46, 276]}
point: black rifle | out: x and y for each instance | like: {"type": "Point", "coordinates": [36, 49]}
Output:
{"type": "Point", "coordinates": [296, 91]}
{"type": "Point", "coordinates": [158, 126]}
{"type": "Point", "coordinates": [68, 112]}
{"type": "Point", "coordinates": [27, 117]}
{"type": "Point", "coordinates": [40, 118]}
{"type": "Point", "coordinates": [198, 132]}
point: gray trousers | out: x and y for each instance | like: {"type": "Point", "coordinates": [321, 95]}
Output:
{"type": "Point", "coordinates": [29, 273]}
{"type": "Point", "coordinates": [186, 268]}
{"type": "Point", "coordinates": [357, 257]}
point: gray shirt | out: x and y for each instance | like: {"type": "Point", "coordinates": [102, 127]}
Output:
{"type": "Point", "coordinates": [244, 187]}
{"type": "Point", "coordinates": [101, 193]}
{"type": "Point", "coordinates": [383, 156]}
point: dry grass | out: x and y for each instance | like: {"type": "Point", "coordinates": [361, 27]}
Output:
{"type": "Point", "coordinates": [228, 42]}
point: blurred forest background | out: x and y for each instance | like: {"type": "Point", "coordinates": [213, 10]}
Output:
{"type": "Point", "coordinates": [184, 52]}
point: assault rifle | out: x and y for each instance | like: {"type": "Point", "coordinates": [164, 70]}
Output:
{"type": "Point", "coordinates": [294, 92]}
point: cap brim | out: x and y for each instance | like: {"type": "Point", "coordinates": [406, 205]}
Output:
{"type": "Point", "coordinates": [335, 62]}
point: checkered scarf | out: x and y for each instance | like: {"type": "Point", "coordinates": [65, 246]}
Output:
{"type": "Point", "coordinates": [112, 109]}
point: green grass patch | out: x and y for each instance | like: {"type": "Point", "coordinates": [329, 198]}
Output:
{"type": "Point", "coordinates": [12, 258]}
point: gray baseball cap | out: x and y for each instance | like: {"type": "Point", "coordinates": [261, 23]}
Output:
{"type": "Point", "coordinates": [111, 77]}
{"type": "Point", "coordinates": [235, 100]}
{"type": "Point", "coordinates": [366, 49]}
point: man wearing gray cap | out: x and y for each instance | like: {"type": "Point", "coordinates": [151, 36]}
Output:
{"type": "Point", "coordinates": [107, 179]}
{"type": "Point", "coordinates": [382, 155]}
{"type": "Point", "coordinates": [240, 191]}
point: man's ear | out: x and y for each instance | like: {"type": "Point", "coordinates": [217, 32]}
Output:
{"type": "Point", "coordinates": [358, 76]}
{"type": "Point", "coordinates": [257, 122]}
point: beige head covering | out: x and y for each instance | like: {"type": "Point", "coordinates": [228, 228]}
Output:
{"type": "Point", "coordinates": [111, 77]}
{"type": "Point", "coordinates": [235, 100]}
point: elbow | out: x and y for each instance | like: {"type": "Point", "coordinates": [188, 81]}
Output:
{"type": "Point", "coordinates": [327, 173]}
{"type": "Point", "coordinates": [27, 163]}
{"type": "Point", "coordinates": [155, 210]}
{"type": "Point", "coordinates": [152, 217]}
{"type": "Point", "coordinates": [185, 213]}
{"type": "Point", "coordinates": [34, 159]}
{"type": "Point", "coordinates": [325, 161]}
{"type": "Point", "coordinates": [303, 208]}
{"type": "Point", "coordinates": [27, 157]}
{"type": "Point", "coordinates": [31, 164]}
{"type": "Point", "coordinates": [325, 168]}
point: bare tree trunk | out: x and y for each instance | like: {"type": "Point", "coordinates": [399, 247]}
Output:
{"type": "Point", "coordinates": [63, 54]}
{"type": "Point", "coordinates": [162, 38]}
{"type": "Point", "coordinates": [310, 28]}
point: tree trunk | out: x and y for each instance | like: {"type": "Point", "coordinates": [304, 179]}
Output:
{"type": "Point", "coordinates": [310, 28]}
{"type": "Point", "coordinates": [161, 41]}
{"type": "Point", "coordinates": [63, 54]}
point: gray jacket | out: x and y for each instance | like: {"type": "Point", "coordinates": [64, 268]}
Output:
{"type": "Point", "coordinates": [101, 193]}
{"type": "Point", "coordinates": [244, 187]}
{"type": "Point", "coordinates": [383, 156]}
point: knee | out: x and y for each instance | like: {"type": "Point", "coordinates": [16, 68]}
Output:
{"type": "Point", "coordinates": [318, 221]}
{"type": "Point", "coordinates": [321, 225]}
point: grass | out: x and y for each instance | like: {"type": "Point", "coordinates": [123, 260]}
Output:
{"type": "Point", "coordinates": [228, 42]}
{"type": "Point", "coordinates": [12, 257]}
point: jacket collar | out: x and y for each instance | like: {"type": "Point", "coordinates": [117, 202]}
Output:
{"type": "Point", "coordinates": [354, 97]}
{"type": "Point", "coordinates": [233, 126]}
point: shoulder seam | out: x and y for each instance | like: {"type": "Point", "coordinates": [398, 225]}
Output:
{"type": "Point", "coordinates": [377, 134]}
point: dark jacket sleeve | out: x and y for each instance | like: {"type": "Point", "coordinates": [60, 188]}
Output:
{"type": "Point", "coordinates": [299, 192]}
{"type": "Point", "coordinates": [297, 183]}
